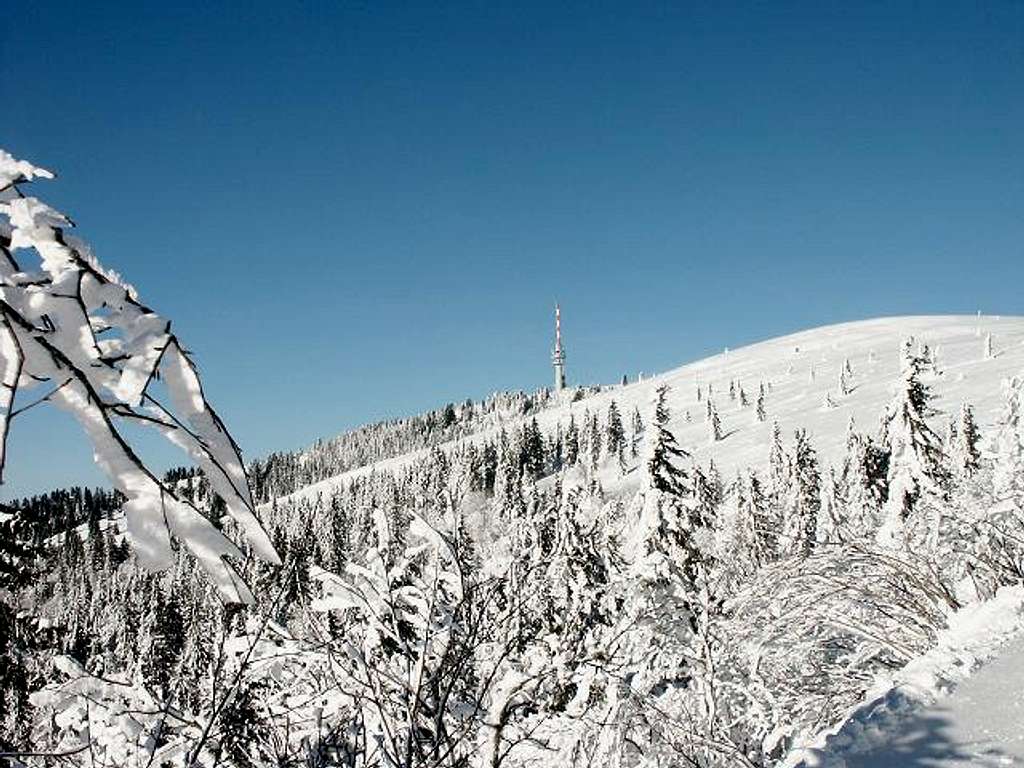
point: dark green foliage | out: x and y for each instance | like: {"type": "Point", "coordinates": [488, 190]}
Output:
{"type": "Point", "coordinates": [572, 443]}
{"type": "Point", "coordinates": [666, 476]}
{"type": "Point", "coordinates": [165, 635]}
{"type": "Point", "coordinates": [615, 433]}
{"type": "Point", "coordinates": [244, 725]}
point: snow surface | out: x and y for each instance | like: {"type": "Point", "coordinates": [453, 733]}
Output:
{"type": "Point", "coordinates": [980, 724]}
{"type": "Point", "coordinates": [795, 399]}
{"type": "Point", "coordinates": [914, 720]}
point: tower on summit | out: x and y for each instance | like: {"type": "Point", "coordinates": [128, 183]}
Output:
{"type": "Point", "coordinates": [558, 355]}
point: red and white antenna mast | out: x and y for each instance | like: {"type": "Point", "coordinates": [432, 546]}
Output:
{"type": "Point", "coordinates": [558, 355]}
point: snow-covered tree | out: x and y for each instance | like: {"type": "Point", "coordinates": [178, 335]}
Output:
{"type": "Point", "coordinates": [964, 451]}
{"type": "Point", "coordinates": [637, 429]}
{"type": "Point", "coordinates": [662, 453]}
{"type": "Point", "coordinates": [615, 436]}
{"type": "Point", "coordinates": [804, 500]}
{"type": "Point", "coordinates": [833, 527]}
{"type": "Point", "coordinates": [572, 442]}
{"type": "Point", "coordinates": [916, 474]}
{"type": "Point", "coordinates": [1001, 531]}
{"type": "Point", "coordinates": [714, 422]}
{"type": "Point", "coordinates": [759, 411]}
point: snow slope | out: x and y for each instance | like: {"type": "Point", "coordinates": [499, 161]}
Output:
{"type": "Point", "coordinates": [914, 719]}
{"type": "Point", "coordinates": [801, 369]}
{"type": "Point", "coordinates": [980, 724]}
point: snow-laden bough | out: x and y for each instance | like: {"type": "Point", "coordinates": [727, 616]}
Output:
{"type": "Point", "coordinates": [78, 335]}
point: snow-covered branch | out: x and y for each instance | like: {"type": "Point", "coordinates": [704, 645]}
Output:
{"type": "Point", "coordinates": [78, 332]}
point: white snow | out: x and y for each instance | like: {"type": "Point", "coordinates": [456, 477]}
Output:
{"type": "Point", "coordinates": [912, 719]}
{"type": "Point", "coordinates": [872, 348]}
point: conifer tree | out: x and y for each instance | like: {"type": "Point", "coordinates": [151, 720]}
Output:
{"type": "Point", "coordinates": [765, 526]}
{"type": "Point", "coordinates": [164, 635]}
{"type": "Point", "coordinates": [779, 471]}
{"type": "Point", "coordinates": [804, 503]}
{"type": "Point", "coordinates": [735, 536]}
{"type": "Point", "coordinates": [964, 448]}
{"type": "Point", "coordinates": [555, 451]}
{"type": "Point", "coordinates": [714, 422]}
{"type": "Point", "coordinates": [593, 442]}
{"type": "Point", "coordinates": [916, 476]}
{"type": "Point", "coordinates": [844, 382]}
{"type": "Point", "coordinates": [663, 453]}
{"type": "Point", "coordinates": [508, 483]}
{"type": "Point", "coordinates": [489, 466]}
{"type": "Point", "coordinates": [832, 522]}
{"type": "Point", "coordinates": [669, 563]}
{"type": "Point", "coordinates": [615, 434]}
{"type": "Point", "coordinates": [16, 636]}
{"type": "Point", "coordinates": [534, 450]}
{"type": "Point", "coordinates": [638, 433]}
{"type": "Point", "coordinates": [707, 496]}
{"type": "Point", "coordinates": [759, 411]}
{"type": "Point", "coordinates": [572, 443]}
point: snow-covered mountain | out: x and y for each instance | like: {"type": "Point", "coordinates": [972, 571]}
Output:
{"type": "Point", "coordinates": [799, 372]}
{"type": "Point", "coordinates": [542, 579]}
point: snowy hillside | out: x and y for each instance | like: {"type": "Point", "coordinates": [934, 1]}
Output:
{"type": "Point", "coordinates": [799, 371]}
{"type": "Point", "coordinates": [712, 567]}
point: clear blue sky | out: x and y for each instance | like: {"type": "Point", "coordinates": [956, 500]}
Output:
{"type": "Point", "coordinates": [359, 210]}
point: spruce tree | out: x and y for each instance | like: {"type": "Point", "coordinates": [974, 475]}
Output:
{"type": "Point", "coordinates": [765, 526]}
{"type": "Point", "coordinates": [615, 434]}
{"type": "Point", "coordinates": [593, 442]}
{"type": "Point", "coordinates": [663, 452]}
{"type": "Point", "coordinates": [964, 451]}
{"type": "Point", "coordinates": [17, 642]}
{"type": "Point", "coordinates": [916, 475]}
{"type": "Point", "coordinates": [572, 443]}
{"type": "Point", "coordinates": [833, 527]}
{"type": "Point", "coordinates": [164, 637]}
{"type": "Point", "coordinates": [714, 422]}
{"type": "Point", "coordinates": [779, 472]}
{"type": "Point", "coordinates": [668, 561]}
{"type": "Point", "coordinates": [637, 428]}
{"type": "Point", "coordinates": [804, 503]}
{"type": "Point", "coordinates": [534, 450]}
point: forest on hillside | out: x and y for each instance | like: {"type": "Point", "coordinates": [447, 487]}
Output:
{"type": "Point", "coordinates": [485, 601]}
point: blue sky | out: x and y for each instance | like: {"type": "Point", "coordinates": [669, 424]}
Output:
{"type": "Point", "coordinates": [355, 211]}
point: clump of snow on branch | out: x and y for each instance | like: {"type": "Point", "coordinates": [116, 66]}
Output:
{"type": "Point", "coordinates": [74, 334]}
